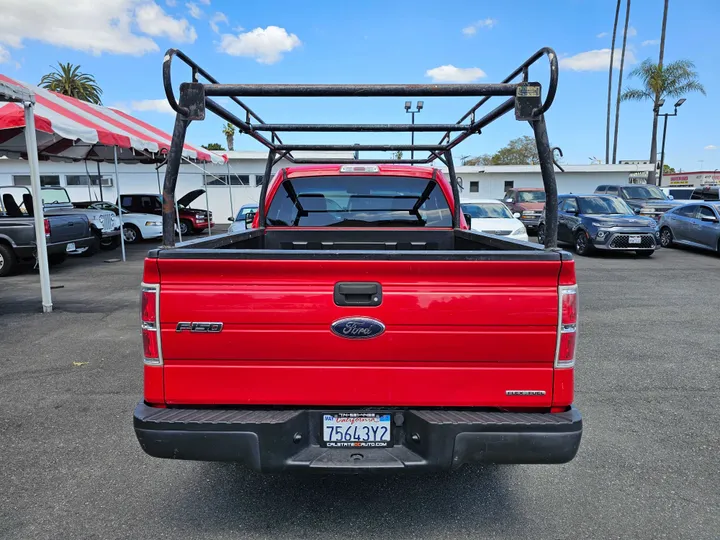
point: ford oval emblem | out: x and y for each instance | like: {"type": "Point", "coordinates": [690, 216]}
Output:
{"type": "Point", "coordinates": [357, 328]}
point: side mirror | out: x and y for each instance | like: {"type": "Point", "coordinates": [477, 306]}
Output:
{"type": "Point", "coordinates": [670, 197]}
{"type": "Point", "coordinates": [468, 219]}
{"type": "Point", "coordinates": [231, 218]}
{"type": "Point", "coordinates": [249, 218]}
{"type": "Point", "coordinates": [709, 219]}
{"type": "Point", "coordinates": [516, 215]}
{"type": "Point", "coordinates": [509, 201]}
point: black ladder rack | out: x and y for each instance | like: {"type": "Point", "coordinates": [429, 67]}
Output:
{"type": "Point", "coordinates": [524, 97]}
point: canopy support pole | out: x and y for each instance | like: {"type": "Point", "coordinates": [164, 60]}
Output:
{"type": "Point", "coordinates": [100, 176]}
{"type": "Point", "coordinates": [207, 200]}
{"type": "Point", "coordinates": [232, 208]}
{"type": "Point", "coordinates": [40, 244]}
{"type": "Point", "coordinates": [117, 187]}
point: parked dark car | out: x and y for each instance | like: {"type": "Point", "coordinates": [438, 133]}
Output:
{"type": "Point", "coordinates": [646, 200]}
{"type": "Point", "coordinates": [693, 224]}
{"type": "Point", "coordinates": [528, 202]}
{"type": "Point", "coordinates": [602, 222]}
{"type": "Point", "coordinates": [706, 193]}
{"type": "Point", "coordinates": [192, 220]}
{"type": "Point", "coordinates": [63, 235]}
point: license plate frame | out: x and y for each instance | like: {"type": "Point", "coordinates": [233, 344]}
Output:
{"type": "Point", "coordinates": [70, 247]}
{"type": "Point", "coordinates": [635, 239]}
{"type": "Point", "coordinates": [356, 424]}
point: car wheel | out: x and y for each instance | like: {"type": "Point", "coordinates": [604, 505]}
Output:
{"type": "Point", "coordinates": [583, 246]}
{"type": "Point", "coordinates": [645, 253]}
{"type": "Point", "coordinates": [666, 237]}
{"type": "Point", "coordinates": [185, 226]}
{"type": "Point", "coordinates": [541, 234]}
{"type": "Point", "coordinates": [94, 246]}
{"type": "Point", "coordinates": [110, 243]}
{"type": "Point", "coordinates": [131, 234]}
{"type": "Point", "coordinates": [8, 260]}
{"type": "Point", "coordinates": [57, 258]}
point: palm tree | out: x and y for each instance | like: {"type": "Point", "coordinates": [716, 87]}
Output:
{"type": "Point", "coordinates": [620, 76]}
{"type": "Point", "coordinates": [229, 132]}
{"type": "Point", "coordinates": [659, 82]}
{"type": "Point", "coordinates": [610, 74]}
{"type": "Point", "coordinates": [67, 79]}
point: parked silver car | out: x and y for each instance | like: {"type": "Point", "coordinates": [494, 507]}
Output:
{"type": "Point", "coordinates": [693, 225]}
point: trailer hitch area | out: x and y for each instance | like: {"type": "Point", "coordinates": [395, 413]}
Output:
{"type": "Point", "coordinates": [192, 99]}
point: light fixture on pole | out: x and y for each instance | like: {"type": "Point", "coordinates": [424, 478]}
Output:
{"type": "Point", "coordinates": [662, 151]}
{"type": "Point", "coordinates": [408, 106]}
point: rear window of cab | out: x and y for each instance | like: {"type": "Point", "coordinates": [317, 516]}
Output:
{"type": "Point", "coordinates": [359, 201]}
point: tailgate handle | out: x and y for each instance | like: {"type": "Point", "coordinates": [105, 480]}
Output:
{"type": "Point", "coordinates": [358, 294]}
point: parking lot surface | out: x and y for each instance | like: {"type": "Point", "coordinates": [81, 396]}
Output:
{"type": "Point", "coordinates": [648, 385]}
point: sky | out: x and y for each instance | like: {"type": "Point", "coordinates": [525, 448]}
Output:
{"type": "Point", "coordinates": [122, 43]}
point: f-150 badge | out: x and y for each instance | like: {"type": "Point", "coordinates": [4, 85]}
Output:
{"type": "Point", "coordinates": [357, 328]}
{"type": "Point", "coordinates": [199, 327]}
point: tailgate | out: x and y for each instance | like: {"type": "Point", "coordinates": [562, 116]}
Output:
{"type": "Point", "coordinates": [68, 228]}
{"type": "Point", "coordinates": [457, 333]}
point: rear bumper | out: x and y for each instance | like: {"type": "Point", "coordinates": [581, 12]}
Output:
{"type": "Point", "coordinates": [61, 247]}
{"type": "Point", "coordinates": [423, 440]}
{"type": "Point", "coordinates": [530, 222]}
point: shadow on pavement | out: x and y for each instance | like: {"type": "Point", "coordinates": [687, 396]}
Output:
{"type": "Point", "coordinates": [227, 497]}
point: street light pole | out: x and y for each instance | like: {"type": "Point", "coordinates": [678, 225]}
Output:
{"type": "Point", "coordinates": [408, 106]}
{"type": "Point", "coordinates": [662, 151]}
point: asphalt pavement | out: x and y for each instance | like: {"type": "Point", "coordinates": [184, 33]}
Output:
{"type": "Point", "coordinates": [648, 378]}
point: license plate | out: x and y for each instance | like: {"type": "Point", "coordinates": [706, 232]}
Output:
{"type": "Point", "coordinates": [70, 247]}
{"type": "Point", "coordinates": [356, 429]}
{"type": "Point", "coordinates": [634, 240]}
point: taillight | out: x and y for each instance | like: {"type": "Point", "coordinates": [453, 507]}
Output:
{"type": "Point", "coordinates": [47, 227]}
{"type": "Point", "coordinates": [567, 326]}
{"type": "Point", "coordinates": [150, 326]}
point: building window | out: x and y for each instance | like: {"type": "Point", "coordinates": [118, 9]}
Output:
{"type": "Point", "coordinates": [45, 180]}
{"type": "Point", "coordinates": [509, 184]}
{"type": "Point", "coordinates": [259, 179]}
{"type": "Point", "coordinates": [215, 179]}
{"type": "Point", "coordinates": [474, 187]}
{"type": "Point", "coordinates": [240, 179]}
{"type": "Point", "coordinates": [82, 180]}
{"type": "Point", "coordinates": [222, 179]}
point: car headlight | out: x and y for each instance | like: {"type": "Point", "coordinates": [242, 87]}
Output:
{"type": "Point", "coordinates": [527, 213]}
{"type": "Point", "coordinates": [199, 216]}
{"type": "Point", "coordinates": [518, 231]}
{"type": "Point", "coordinates": [647, 210]}
{"type": "Point", "coordinates": [601, 234]}
{"type": "Point", "coordinates": [153, 223]}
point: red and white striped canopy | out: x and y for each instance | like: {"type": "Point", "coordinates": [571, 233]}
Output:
{"type": "Point", "coordinates": [68, 128]}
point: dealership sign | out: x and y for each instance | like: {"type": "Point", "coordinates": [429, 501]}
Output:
{"type": "Point", "coordinates": [700, 178]}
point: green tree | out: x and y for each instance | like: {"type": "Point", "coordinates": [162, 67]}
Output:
{"type": "Point", "coordinates": [397, 155]}
{"type": "Point", "coordinates": [667, 169]}
{"type": "Point", "coordinates": [520, 151]}
{"type": "Point", "coordinates": [229, 132]}
{"type": "Point", "coordinates": [213, 146]}
{"type": "Point", "coordinates": [658, 82]}
{"type": "Point", "coordinates": [68, 80]}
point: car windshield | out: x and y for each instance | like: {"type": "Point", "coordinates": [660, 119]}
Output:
{"type": "Point", "coordinates": [604, 205]}
{"type": "Point", "coordinates": [531, 196]}
{"type": "Point", "coordinates": [54, 196]}
{"type": "Point", "coordinates": [359, 201]}
{"type": "Point", "coordinates": [486, 210]}
{"type": "Point", "coordinates": [643, 192]}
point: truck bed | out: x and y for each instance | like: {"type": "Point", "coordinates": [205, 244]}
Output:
{"type": "Point", "coordinates": [458, 333]}
{"type": "Point", "coordinates": [450, 244]}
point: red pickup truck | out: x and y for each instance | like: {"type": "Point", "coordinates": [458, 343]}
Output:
{"type": "Point", "coordinates": [359, 330]}
{"type": "Point", "coordinates": [359, 324]}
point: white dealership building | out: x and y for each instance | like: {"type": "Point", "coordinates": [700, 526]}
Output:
{"type": "Point", "coordinates": [245, 170]}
